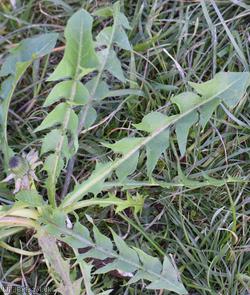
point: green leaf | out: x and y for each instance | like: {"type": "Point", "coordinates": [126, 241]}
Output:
{"type": "Point", "coordinates": [30, 198]}
{"type": "Point", "coordinates": [64, 89]}
{"type": "Point", "coordinates": [124, 145]}
{"type": "Point", "coordinates": [190, 104]}
{"type": "Point", "coordinates": [102, 241]}
{"type": "Point", "coordinates": [135, 202]}
{"type": "Point", "coordinates": [120, 37]}
{"type": "Point", "coordinates": [51, 219]}
{"type": "Point", "coordinates": [126, 254]}
{"type": "Point", "coordinates": [79, 60]}
{"type": "Point", "coordinates": [207, 110]}
{"type": "Point", "coordinates": [73, 127]}
{"type": "Point", "coordinates": [101, 91]}
{"type": "Point", "coordinates": [182, 130]}
{"type": "Point", "coordinates": [150, 263]}
{"type": "Point", "coordinates": [122, 20]}
{"type": "Point", "coordinates": [173, 283]}
{"type": "Point", "coordinates": [152, 121]}
{"type": "Point", "coordinates": [28, 50]}
{"type": "Point", "coordinates": [84, 232]}
{"type": "Point", "coordinates": [79, 51]}
{"type": "Point", "coordinates": [96, 177]}
{"type": "Point", "coordinates": [104, 36]}
{"type": "Point", "coordinates": [86, 273]}
{"type": "Point", "coordinates": [114, 10]}
{"type": "Point", "coordinates": [53, 118]}
{"type": "Point", "coordinates": [56, 117]}
{"type": "Point", "coordinates": [51, 140]}
{"type": "Point", "coordinates": [7, 90]}
{"type": "Point", "coordinates": [154, 150]}
{"type": "Point", "coordinates": [128, 167]}
{"type": "Point", "coordinates": [90, 117]}
{"type": "Point", "coordinates": [50, 163]}
{"type": "Point", "coordinates": [230, 87]}
{"type": "Point", "coordinates": [16, 64]}
{"type": "Point", "coordinates": [186, 101]}
{"type": "Point", "coordinates": [125, 259]}
{"type": "Point", "coordinates": [113, 64]}
{"type": "Point", "coordinates": [160, 143]}
{"type": "Point", "coordinates": [106, 11]}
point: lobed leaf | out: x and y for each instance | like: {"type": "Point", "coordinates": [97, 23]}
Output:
{"type": "Point", "coordinates": [157, 124]}
{"type": "Point", "coordinates": [80, 58]}
{"type": "Point", "coordinates": [126, 259]}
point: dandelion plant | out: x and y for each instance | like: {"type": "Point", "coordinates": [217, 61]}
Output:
{"type": "Point", "coordinates": [47, 204]}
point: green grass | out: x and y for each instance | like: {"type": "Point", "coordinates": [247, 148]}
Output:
{"type": "Point", "coordinates": [205, 229]}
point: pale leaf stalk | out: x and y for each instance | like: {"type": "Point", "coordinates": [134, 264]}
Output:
{"type": "Point", "coordinates": [20, 212]}
{"type": "Point", "coordinates": [59, 265]}
{"type": "Point", "coordinates": [19, 251]}
{"type": "Point", "coordinates": [18, 221]}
